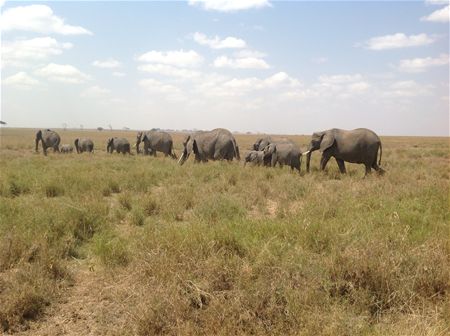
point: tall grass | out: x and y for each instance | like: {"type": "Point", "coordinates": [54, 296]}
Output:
{"type": "Point", "coordinates": [219, 248]}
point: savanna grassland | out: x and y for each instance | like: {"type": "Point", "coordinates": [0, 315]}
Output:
{"type": "Point", "coordinates": [100, 244]}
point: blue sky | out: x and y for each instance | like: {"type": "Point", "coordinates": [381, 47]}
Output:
{"type": "Point", "coordinates": [248, 65]}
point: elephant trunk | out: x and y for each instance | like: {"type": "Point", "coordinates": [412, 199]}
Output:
{"type": "Point", "coordinates": [37, 143]}
{"type": "Point", "coordinates": [76, 146]}
{"type": "Point", "coordinates": [138, 142]}
{"type": "Point", "coordinates": [183, 158]}
{"type": "Point", "coordinates": [308, 159]}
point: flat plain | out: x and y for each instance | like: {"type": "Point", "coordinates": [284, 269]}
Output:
{"type": "Point", "coordinates": [101, 244]}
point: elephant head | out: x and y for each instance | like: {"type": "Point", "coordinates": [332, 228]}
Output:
{"type": "Point", "coordinates": [38, 138]}
{"type": "Point", "coordinates": [77, 140]}
{"type": "Point", "coordinates": [319, 141]}
{"type": "Point", "coordinates": [109, 145]}
{"type": "Point", "coordinates": [139, 139]}
{"type": "Point", "coordinates": [270, 152]}
{"type": "Point", "coordinates": [190, 145]}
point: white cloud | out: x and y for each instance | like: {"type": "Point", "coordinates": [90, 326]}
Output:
{"type": "Point", "coordinates": [21, 52]}
{"type": "Point", "coordinates": [358, 87]}
{"type": "Point", "coordinates": [38, 19]}
{"type": "Point", "coordinates": [118, 74]}
{"type": "Point", "coordinates": [20, 80]}
{"type": "Point", "coordinates": [63, 73]}
{"type": "Point", "coordinates": [240, 63]}
{"type": "Point", "coordinates": [281, 78]}
{"type": "Point", "coordinates": [410, 88]}
{"type": "Point", "coordinates": [107, 64]}
{"type": "Point", "coordinates": [339, 79]}
{"type": "Point", "coordinates": [155, 86]}
{"type": "Point", "coordinates": [416, 65]}
{"type": "Point", "coordinates": [229, 42]}
{"type": "Point", "coordinates": [440, 15]}
{"type": "Point", "coordinates": [249, 53]}
{"type": "Point", "coordinates": [398, 40]}
{"type": "Point", "coordinates": [178, 58]}
{"type": "Point", "coordinates": [168, 70]}
{"type": "Point", "coordinates": [229, 5]}
{"type": "Point", "coordinates": [95, 92]}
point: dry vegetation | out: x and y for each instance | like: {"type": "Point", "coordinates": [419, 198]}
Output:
{"type": "Point", "coordinates": [131, 245]}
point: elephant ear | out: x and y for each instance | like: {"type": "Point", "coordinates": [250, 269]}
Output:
{"type": "Point", "coordinates": [144, 137]}
{"type": "Point", "coordinates": [327, 141]}
{"type": "Point", "coordinates": [194, 147]}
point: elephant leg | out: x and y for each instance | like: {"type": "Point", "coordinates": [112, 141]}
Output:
{"type": "Point", "coordinates": [323, 161]}
{"type": "Point", "coordinates": [368, 169]}
{"type": "Point", "coordinates": [341, 166]}
{"type": "Point", "coordinates": [377, 168]}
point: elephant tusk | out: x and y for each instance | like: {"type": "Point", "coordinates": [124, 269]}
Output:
{"type": "Point", "coordinates": [306, 152]}
{"type": "Point", "coordinates": [134, 145]}
{"type": "Point", "coordinates": [181, 158]}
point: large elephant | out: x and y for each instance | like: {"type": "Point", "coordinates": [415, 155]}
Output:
{"type": "Point", "coordinates": [84, 145]}
{"type": "Point", "coordinates": [262, 143]}
{"type": "Point", "coordinates": [49, 139]}
{"type": "Point", "coordinates": [155, 141]}
{"type": "Point", "coordinates": [356, 146]}
{"type": "Point", "coordinates": [120, 145]}
{"type": "Point", "coordinates": [284, 153]}
{"type": "Point", "coordinates": [218, 144]}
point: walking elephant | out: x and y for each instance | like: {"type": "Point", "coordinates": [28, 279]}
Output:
{"type": "Point", "coordinates": [284, 153]}
{"type": "Point", "coordinates": [49, 139]}
{"type": "Point", "coordinates": [262, 143]}
{"type": "Point", "coordinates": [155, 141]}
{"type": "Point", "coordinates": [356, 146]}
{"type": "Point", "coordinates": [120, 145]}
{"type": "Point", "coordinates": [255, 157]}
{"type": "Point", "coordinates": [218, 144]}
{"type": "Point", "coordinates": [84, 145]}
{"type": "Point", "coordinates": [66, 149]}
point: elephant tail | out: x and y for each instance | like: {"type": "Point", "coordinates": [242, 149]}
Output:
{"type": "Point", "coordinates": [236, 152]}
{"type": "Point", "coordinates": [381, 153]}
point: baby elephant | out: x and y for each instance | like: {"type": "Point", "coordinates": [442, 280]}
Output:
{"type": "Point", "coordinates": [66, 149]}
{"type": "Point", "coordinates": [120, 145]}
{"type": "Point", "coordinates": [256, 157]}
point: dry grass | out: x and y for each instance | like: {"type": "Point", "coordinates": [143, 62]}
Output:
{"type": "Point", "coordinates": [132, 245]}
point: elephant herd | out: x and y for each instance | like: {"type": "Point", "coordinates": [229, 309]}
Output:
{"type": "Point", "coordinates": [356, 146]}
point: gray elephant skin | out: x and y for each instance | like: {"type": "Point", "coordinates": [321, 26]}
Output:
{"type": "Point", "coordinates": [255, 156]}
{"type": "Point", "coordinates": [49, 139]}
{"type": "Point", "coordinates": [120, 145]}
{"type": "Point", "coordinates": [285, 150]}
{"type": "Point", "coordinates": [84, 145]}
{"type": "Point", "coordinates": [155, 141]}
{"type": "Point", "coordinates": [360, 146]}
{"type": "Point", "coordinates": [66, 149]}
{"type": "Point", "coordinates": [284, 153]}
{"type": "Point", "coordinates": [218, 144]}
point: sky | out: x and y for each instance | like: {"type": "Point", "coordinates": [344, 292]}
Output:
{"type": "Point", "coordinates": [247, 65]}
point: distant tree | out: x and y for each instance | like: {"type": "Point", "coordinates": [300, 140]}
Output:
{"type": "Point", "coordinates": [155, 129]}
{"type": "Point", "coordinates": [64, 126]}
{"type": "Point", "coordinates": [2, 122]}
{"type": "Point", "coordinates": [110, 127]}
{"type": "Point", "coordinates": [99, 128]}
{"type": "Point", "coordinates": [125, 128]}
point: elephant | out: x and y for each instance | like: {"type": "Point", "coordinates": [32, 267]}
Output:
{"type": "Point", "coordinates": [256, 157]}
{"type": "Point", "coordinates": [262, 143]}
{"type": "Point", "coordinates": [360, 145]}
{"type": "Point", "coordinates": [84, 145]}
{"type": "Point", "coordinates": [218, 144]}
{"type": "Point", "coordinates": [49, 139]}
{"type": "Point", "coordinates": [284, 153]}
{"type": "Point", "coordinates": [156, 141]}
{"type": "Point", "coordinates": [66, 148]}
{"type": "Point", "coordinates": [120, 145]}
